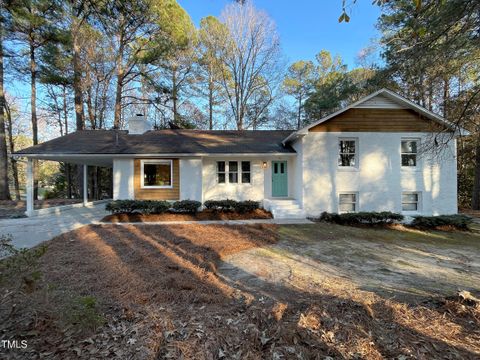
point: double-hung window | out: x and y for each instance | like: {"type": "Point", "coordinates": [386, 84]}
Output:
{"type": "Point", "coordinates": [347, 202]}
{"type": "Point", "coordinates": [157, 174]}
{"type": "Point", "coordinates": [410, 201]}
{"type": "Point", "coordinates": [246, 177]}
{"type": "Point", "coordinates": [234, 171]}
{"type": "Point", "coordinates": [409, 150]}
{"type": "Point", "coordinates": [221, 178]}
{"type": "Point", "coordinates": [347, 156]}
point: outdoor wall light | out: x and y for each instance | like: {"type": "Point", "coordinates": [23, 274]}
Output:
{"type": "Point", "coordinates": [264, 165]}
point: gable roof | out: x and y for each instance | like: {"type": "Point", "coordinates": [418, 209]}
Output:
{"type": "Point", "coordinates": [198, 142]}
{"type": "Point", "coordinates": [388, 99]}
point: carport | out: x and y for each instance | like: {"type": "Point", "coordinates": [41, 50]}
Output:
{"type": "Point", "coordinates": [84, 160]}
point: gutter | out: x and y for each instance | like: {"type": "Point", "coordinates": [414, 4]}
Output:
{"type": "Point", "coordinates": [66, 155]}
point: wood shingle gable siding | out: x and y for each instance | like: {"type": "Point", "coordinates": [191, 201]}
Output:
{"type": "Point", "coordinates": [156, 194]}
{"type": "Point", "coordinates": [377, 120]}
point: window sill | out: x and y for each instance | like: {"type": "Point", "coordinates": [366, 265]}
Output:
{"type": "Point", "coordinates": [413, 169]}
{"type": "Point", "coordinates": [347, 169]}
{"type": "Point", "coordinates": [411, 213]}
{"type": "Point", "coordinates": [234, 184]}
{"type": "Point", "coordinates": [156, 187]}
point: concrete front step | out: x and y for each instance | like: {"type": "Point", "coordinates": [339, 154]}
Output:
{"type": "Point", "coordinates": [278, 213]}
{"type": "Point", "coordinates": [289, 216]}
{"type": "Point", "coordinates": [285, 209]}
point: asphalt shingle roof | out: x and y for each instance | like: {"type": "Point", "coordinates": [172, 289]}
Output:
{"type": "Point", "coordinates": [166, 142]}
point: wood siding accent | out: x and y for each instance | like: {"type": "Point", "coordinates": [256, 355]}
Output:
{"type": "Point", "coordinates": [377, 120]}
{"type": "Point", "coordinates": [156, 194]}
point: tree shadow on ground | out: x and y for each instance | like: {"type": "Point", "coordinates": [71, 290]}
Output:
{"type": "Point", "coordinates": [163, 282]}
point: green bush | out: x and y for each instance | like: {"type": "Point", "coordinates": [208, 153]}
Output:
{"type": "Point", "coordinates": [24, 262]}
{"type": "Point", "coordinates": [384, 217]}
{"type": "Point", "coordinates": [246, 206]}
{"type": "Point", "coordinates": [459, 222]}
{"type": "Point", "coordinates": [220, 205]}
{"type": "Point", "coordinates": [232, 205]}
{"type": "Point", "coordinates": [186, 206]}
{"type": "Point", "coordinates": [140, 206]}
{"type": "Point", "coordinates": [84, 313]}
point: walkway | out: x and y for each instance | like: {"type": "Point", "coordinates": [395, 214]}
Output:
{"type": "Point", "coordinates": [29, 232]}
{"type": "Point", "coordinates": [220, 222]}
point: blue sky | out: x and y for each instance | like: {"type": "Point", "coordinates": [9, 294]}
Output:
{"type": "Point", "coordinates": [307, 26]}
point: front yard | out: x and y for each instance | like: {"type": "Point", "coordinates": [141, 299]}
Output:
{"type": "Point", "coordinates": [249, 292]}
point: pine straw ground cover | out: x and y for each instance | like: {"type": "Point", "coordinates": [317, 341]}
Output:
{"type": "Point", "coordinates": [161, 296]}
{"type": "Point", "coordinates": [201, 215]}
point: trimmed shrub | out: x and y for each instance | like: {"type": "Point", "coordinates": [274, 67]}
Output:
{"type": "Point", "coordinates": [246, 206]}
{"type": "Point", "coordinates": [220, 205]}
{"type": "Point", "coordinates": [140, 206]}
{"type": "Point", "coordinates": [232, 205]}
{"type": "Point", "coordinates": [186, 206]}
{"type": "Point", "coordinates": [459, 222]}
{"type": "Point", "coordinates": [365, 218]}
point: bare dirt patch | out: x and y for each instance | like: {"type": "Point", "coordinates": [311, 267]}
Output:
{"type": "Point", "coordinates": [182, 291]}
{"type": "Point", "coordinates": [199, 216]}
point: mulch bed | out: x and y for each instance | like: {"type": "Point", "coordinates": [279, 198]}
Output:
{"type": "Point", "coordinates": [200, 216]}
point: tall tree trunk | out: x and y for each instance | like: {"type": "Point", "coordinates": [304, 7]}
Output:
{"type": "Point", "coordinates": [210, 101]}
{"type": "Point", "coordinates": [95, 183]}
{"type": "Point", "coordinates": [299, 116]}
{"type": "Point", "coordinates": [13, 162]}
{"type": "Point", "coordinates": [78, 90]}
{"type": "Point", "coordinates": [118, 104]}
{"type": "Point", "coordinates": [476, 181]}
{"type": "Point", "coordinates": [33, 108]}
{"type": "Point", "coordinates": [68, 175]}
{"type": "Point", "coordinates": [65, 109]}
{"type": "Point", "coordinates": [91, 116]}
{"type": "Point", "coordinates": [118, 92]}
{"type": "Point", "coordinates": [4, 190]}
{"type": "Point", "coordinates": [174, 95]}
{"type": "Point", "coordinates": [446, 95]}
{"type": "Point", "coordinates": [77, 76]}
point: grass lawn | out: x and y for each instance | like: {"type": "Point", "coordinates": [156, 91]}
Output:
{"type": "Point", "coordinates": [248, 292]}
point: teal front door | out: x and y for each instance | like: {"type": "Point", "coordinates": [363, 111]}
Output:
{"type": "Point", "coordinates": [279, 179]}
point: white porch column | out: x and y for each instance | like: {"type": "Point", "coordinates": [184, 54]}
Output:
{"type": "Point", "coordinates": [85, 184]}
{"type": "Point", "coordinates": [30, 204]}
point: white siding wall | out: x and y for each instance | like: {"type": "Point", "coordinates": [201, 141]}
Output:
{"type": "Point", "coordinates": [261, 180]}
{"type": "Point", "coordinates": [123, 179]}
{"type": "Point", "coordinates": [239, 191]}
{"type": "Point", "coordinates": [191, 179]}
{"type": "Point", "coordinates": [298, 173]}
{"type": "Point", "coordinates": [379, 179]}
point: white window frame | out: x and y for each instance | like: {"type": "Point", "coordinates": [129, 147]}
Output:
{"type": "Point", "coordinates": [419, 202]}
{"type": "Point", "coordinates": [156, 162]}
{"type": "Point", "coordinates": [356, 153]}
{"type": "Point", "coordinates": [356, 202]}
{"type": "Point", "coordinates": [406, 167]}
{"type": "Point", "coordinates": [245, 172]}
{"type": "Point", "coordinates": [237, 172]}
{"type": "Point", "coordinates": [225, 172]}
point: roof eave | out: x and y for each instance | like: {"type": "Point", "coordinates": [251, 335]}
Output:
{"type": "Point", "coordinates": [140, 155]}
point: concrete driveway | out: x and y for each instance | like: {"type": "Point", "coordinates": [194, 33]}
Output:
{"type": "Point", "coordinates": [405, 264]}
{"type": "Point", "coordinates": [29, 232]}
